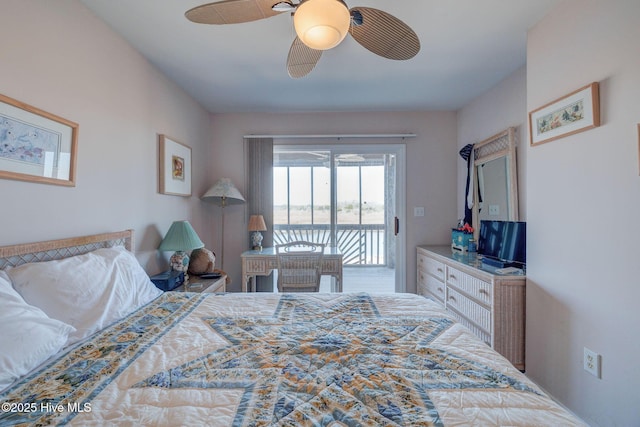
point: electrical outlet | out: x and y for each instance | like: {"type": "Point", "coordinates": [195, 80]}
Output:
{"type": "Point", "coordinates": [494, 210]}
{"type": "Point", "coordinates": [591, 362]}
{"type": "Point", "coordinates": [418, 211]}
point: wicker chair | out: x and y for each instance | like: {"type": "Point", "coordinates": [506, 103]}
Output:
{"type": "Point", "coordinates": [299, 266]}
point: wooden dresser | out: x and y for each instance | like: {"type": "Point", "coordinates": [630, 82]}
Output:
{"type": "Point", "coordinates": [492, 305]}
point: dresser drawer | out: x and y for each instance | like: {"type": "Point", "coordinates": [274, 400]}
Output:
{"type": "Point", "coordinates": [430, 286]}
{"type": "Point", "coordinates": [217, 286]}
{"type": "Point", "coordinates": [472, 286]}
{"type": "Point", "coordinates": [469, 309]}
{"type": "Point", "coordinates": [431, 266]}
{"type": "Point", "coordinates": [473, 327]}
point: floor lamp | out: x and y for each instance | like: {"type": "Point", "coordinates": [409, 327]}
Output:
{"type": "Point", "coordinates": [223, 193]}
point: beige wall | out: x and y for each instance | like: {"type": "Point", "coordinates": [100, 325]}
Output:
{"type": "Point", "coordinates": [58, 57]}
{"type": "Point", "coordinates": [583, 197]}
{"type": "Point", "coordinates": [430, 174]}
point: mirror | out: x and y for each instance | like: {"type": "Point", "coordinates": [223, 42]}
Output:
{"type": "Point", "coordinates": [495, 179]}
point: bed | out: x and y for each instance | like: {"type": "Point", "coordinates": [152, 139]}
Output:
{"type": "Point", "coordinates": [238, 359]}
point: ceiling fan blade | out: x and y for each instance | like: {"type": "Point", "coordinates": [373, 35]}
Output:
{"type": "Point", "coordinates": [383, 34]}
{"type": "Point", "coordinates": [302, 59]}
{"type": "Point", "coordinates": [231, 11]}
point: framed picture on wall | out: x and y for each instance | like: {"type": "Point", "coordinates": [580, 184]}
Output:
{"type": "Point", "coordinates": [573, 113]}
{"type": "Point", "coordinates": [174, 167]}
{"type": "Point", "coordinates": [35, 145]}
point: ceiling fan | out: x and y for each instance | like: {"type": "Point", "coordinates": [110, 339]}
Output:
{"type": "Point", "coordinates": [320, 25]}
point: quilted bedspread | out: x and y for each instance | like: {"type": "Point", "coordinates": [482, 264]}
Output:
{"type": "Point", "coordinates": [286, 360]}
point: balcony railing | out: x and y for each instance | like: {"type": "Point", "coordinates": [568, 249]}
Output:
{"type": "Point", "coordinates": [360, 244]}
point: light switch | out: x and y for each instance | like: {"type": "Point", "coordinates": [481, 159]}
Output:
{"type": "Point", "coordinates": [418, 211]}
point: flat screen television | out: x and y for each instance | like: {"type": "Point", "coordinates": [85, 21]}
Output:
{"type": "Point", "coordinates": [503, 243]}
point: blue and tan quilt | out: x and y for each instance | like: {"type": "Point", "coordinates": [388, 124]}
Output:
{"type": "Point", "coordinates": [284, 360]}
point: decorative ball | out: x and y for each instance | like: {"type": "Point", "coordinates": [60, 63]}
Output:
{"type": "Point", "coordinates": [202, 261]}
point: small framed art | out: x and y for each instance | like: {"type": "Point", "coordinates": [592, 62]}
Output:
{"type": "Point", "coordinates": [573, 113]}
{"type": "Point", "coordinates": [35, 145]}
{"type": "Point", "coordinates": [174, 167]}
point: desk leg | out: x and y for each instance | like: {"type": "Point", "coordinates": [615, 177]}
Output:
{"type": "Point", "coordinates": [336, 284]}
{"type": "Point", "coordinates": [248, 283]}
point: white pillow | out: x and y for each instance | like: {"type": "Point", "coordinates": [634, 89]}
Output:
{"type": "Point", "coordinates": [27, 335]}
{"type": "Point", "coordinates": [88, 291]}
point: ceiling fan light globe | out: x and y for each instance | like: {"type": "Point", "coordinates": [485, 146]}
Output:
{"type": "Point", "coordinates": [321, 37]}
{"type": "Point", "coordinates": [322, 24]}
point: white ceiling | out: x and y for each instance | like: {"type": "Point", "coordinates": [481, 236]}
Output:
{"type": "Point", "coordinates": [467, 46]}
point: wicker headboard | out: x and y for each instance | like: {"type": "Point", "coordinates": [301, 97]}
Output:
{"type": "Point", "coordinates": [15, 255]}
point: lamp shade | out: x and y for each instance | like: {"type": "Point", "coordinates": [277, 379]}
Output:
{"type": "Point", "coordinates": [322, 24]}
{"type": "Point", "coordinates": [180, 237]}
{"type": "Point", "coordinates": [224, 193]}
{"type": "Point", "coordinates": [256, 223]}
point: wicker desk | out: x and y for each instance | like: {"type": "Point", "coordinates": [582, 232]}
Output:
{"type": "Point", "coordinates": [262, 263]}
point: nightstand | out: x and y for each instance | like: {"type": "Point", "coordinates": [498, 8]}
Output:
{"type": "Point", "coordinates": [197, 284]}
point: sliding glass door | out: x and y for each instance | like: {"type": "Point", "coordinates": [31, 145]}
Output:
{"type": "Point", "coordinates": [348, 197]}
{"type": "Point", "coordinates": [302, 195]}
